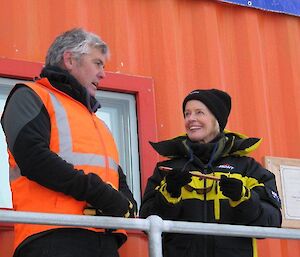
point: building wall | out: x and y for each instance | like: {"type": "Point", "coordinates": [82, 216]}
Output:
{"type": "Point", "coordinates": [183, 45]}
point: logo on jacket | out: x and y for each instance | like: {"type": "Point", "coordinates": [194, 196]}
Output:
{"type": "Point", "coordinates": [226, 166]}
{"type": "Point", "coordinates": [275, 196]}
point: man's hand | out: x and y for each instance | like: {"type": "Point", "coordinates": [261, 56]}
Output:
{"type": "Point", "coordinates": [231, 187]}
{"type": "Point", "coordinates": [129, 212]}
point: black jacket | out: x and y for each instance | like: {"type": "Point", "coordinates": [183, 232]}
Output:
{"type": "Point", "coordinates": [222, 156]}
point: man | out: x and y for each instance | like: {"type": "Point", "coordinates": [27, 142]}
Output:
{"type": "Point", "coordinates": [63, 158]}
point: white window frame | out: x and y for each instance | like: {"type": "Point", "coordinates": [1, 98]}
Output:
{"type": "Point", "coordinates": [123, 109]}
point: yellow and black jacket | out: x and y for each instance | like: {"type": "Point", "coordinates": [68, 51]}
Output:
{"type": "Point", "coordinates": [202, 201]}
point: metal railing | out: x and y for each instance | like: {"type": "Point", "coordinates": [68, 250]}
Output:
{"type": "Point", "coordinates": [153, 225]}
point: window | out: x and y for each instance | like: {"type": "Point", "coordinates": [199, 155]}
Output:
{"type": "Point", "coordinates": [5, 194]}
{"type": "Point", "coordinates": [118, 112]}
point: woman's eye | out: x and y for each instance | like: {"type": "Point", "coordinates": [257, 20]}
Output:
{"type": "Point", "coordinates": [186, 114]}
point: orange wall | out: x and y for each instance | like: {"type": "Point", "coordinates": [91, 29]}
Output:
{"type": "Point", "coordinates": [183, 45]}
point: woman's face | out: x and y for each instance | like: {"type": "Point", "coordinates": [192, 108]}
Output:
{"type": "Point", "coordinates": [200, 124]}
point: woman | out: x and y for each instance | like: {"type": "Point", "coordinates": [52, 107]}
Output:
{"type": "Point", "coordinates": [208, 178]}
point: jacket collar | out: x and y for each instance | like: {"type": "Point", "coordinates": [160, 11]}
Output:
{"type": "Point", "coordinates": [226, 144]}
{"type": "Point", "coordinates": [65, 82]}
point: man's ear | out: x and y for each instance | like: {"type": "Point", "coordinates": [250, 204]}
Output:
{"type": "Point", "coordinates": [68, 61]}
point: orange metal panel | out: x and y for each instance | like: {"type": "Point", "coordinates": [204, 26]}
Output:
{"type": "Point", "coordinates": [6, 241]}
{"type": "Point", "coordinates": [136, 246]}
{"type": "Point", "coordinates": [183, 45]}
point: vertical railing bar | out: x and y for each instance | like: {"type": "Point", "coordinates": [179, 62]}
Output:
{"type": "Point", "coordinates": [154, 236]}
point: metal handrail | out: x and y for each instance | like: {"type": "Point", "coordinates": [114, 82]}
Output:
{"type": "Point", "coordinates": [153, 225]}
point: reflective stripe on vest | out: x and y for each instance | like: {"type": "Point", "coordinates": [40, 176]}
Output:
{"type": "Point", "coordinates": [65, 142]}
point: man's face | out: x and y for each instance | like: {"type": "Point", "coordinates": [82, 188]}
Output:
{"type": "Point", "coordinates": [89, 69]}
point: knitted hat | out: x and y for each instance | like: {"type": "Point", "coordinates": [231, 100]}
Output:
{"type": "Point", "coordinates": [217, 101]}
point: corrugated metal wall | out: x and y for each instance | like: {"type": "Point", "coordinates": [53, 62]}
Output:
{"type": "Point", "coordinates": [183, 45]}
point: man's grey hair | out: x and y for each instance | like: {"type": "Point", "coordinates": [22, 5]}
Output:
{"type": "Point", "coordinates": [78, 42]}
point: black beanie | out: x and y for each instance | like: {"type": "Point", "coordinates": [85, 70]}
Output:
{"type": "Point", "coordinates": [217, 101]}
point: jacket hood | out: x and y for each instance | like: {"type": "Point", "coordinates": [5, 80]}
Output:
{"type": "Point", "coordinates": [230, 144]}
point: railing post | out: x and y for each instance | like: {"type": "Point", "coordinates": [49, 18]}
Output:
{"type": "Point", "coordinates": [154, 237]}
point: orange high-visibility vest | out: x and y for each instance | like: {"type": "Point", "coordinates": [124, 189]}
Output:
{"type": "Point", "coordinates": [78, 137]}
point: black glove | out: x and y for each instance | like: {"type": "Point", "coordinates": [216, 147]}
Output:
{"type": "Point", "coordinates": [111, 202]}
{"type": "Point", "coordinates": [176, 179]}
{"type": "Point", "coordinates": [231, 187]}
{"type": "Point", "coordinates": [131, 212]}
